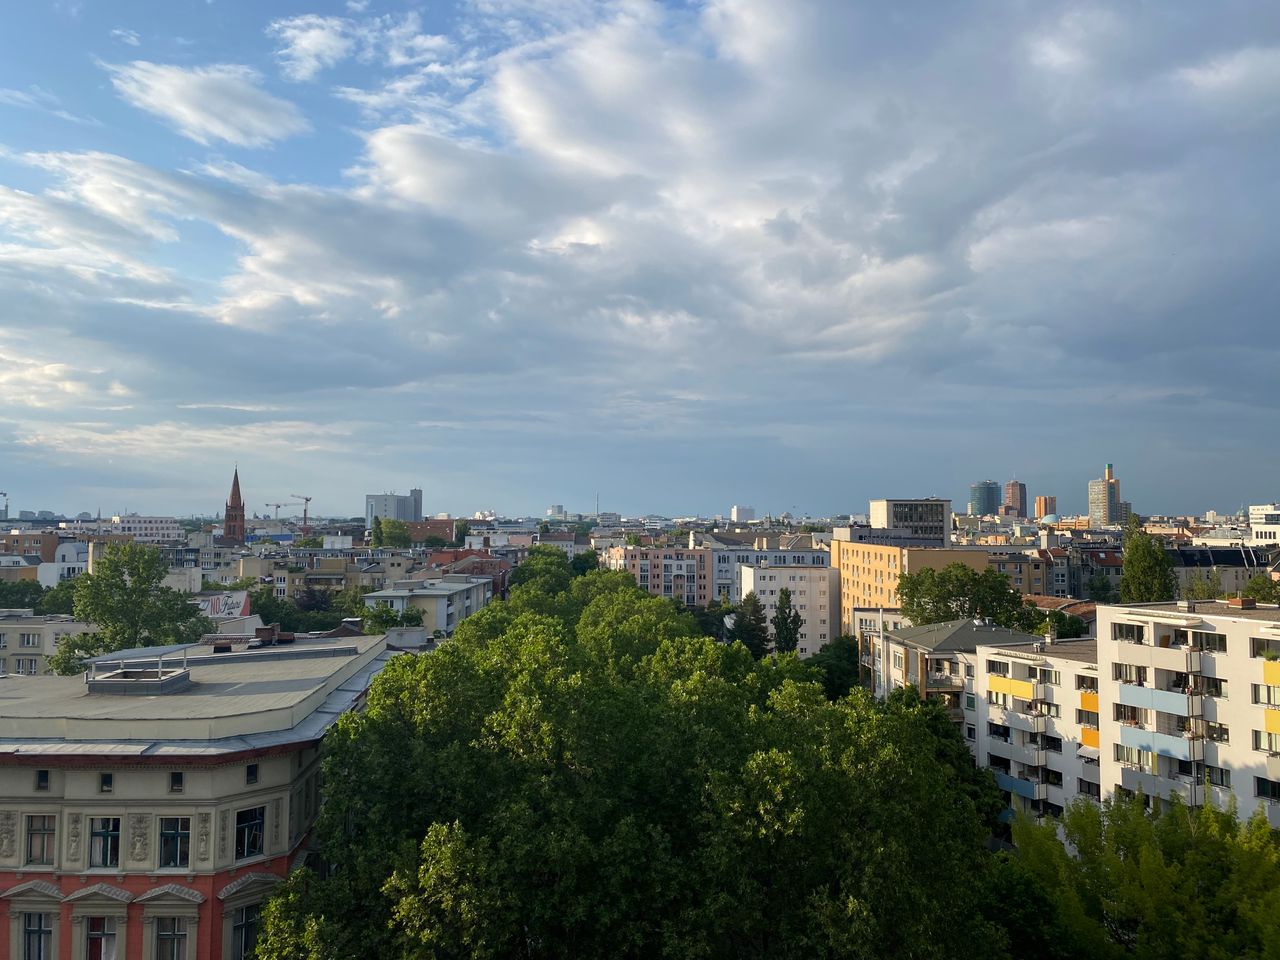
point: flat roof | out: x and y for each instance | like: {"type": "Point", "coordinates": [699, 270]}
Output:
{"type": "Point", "coordinates": [1084, 649]}
{"type": "Point", "coordinates": [1266, 612]}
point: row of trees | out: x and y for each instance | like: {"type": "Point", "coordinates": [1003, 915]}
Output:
{"type": "Point", "coordinates": [751, 625]}
{"type": "Point", "coordinates": [958, 592]}
{"type": "Point", "coordinates": [30, 595]}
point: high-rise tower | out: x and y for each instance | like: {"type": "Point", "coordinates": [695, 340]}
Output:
{"type": "Point", "coordinates": [1105, 508]}
{"type": "Point", "coordinates": [233, 519]}
{"type": "Point", "coordinates": [1015, 496]}
{"type": "Point", "coordinates": [984, 498]}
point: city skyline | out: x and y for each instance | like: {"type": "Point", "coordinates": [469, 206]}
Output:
{"type": "Point", "coordinates": [682, 255]}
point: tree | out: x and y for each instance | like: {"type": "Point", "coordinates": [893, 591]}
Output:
{"type": "Point", "coordinates": [547, 567]}
{"type": "Point", "coordinates": [285, 612]}
{"type": "Point", "coordinates": [840, 667]}
{"type": "Point", "coordinates": [786, 623]}
{"type": "Point", "coordinates": [1262, 588]}
{"type": "Point", "coordinates": [1148, 575]}
{"type": "Point", "coordinates": [462, 531]}
{"type": "Point", "coordinates": [1099, 589]}
{"type": "Point", "coordinates": [124, 600]}
{"type": "Point", "coordinates": [60, 598]}
{"type": "Point", "coordinates": [751, 627]}
{"type": "Point", "coordinates": [602, 782]}
{"type": "Point", "coordinates": [1208, 587]}
{"type": "Point", "coordinates": [958, 592]}
{"type": "Point", "coordinates": [395, 533]}
{"type": "Point", "coordinates": [584, 563]}
{"type": "Point", "coordinates": [375, 534]}
{"type": "Point", "coordinates": [20, 594]}
{"type": "Point", "coordinates": [309, 543]}
{"type": "Point", "coordinates": [544, 528]}
{"type": "Point", "coordinates": [432, 542]}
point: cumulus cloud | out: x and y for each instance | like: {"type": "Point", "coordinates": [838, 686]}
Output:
{"type": "Point", "coordinates": [311, 43]}
{"type": "Point", "coordinates": [221, 102]}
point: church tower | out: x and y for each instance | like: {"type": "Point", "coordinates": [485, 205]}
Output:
{"type": "Point", "coordinates": [233, 519]}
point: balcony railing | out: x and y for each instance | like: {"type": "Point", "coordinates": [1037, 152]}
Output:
{"type": "Point", "coordinates": [944, 681]}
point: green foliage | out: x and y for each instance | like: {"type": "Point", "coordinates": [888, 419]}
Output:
{"type": "Point", "coordinates": [1208, 587]}
{"type": "Point", "coordinates": [1177, 883]}
{"type": "Point", "coordinates": [1263, 589]}
{"type": "Point", "coordinates": [124, 600]}
{"type": "Point", "coordinates": [1099, 588]}
{"type": "Point", "coordinates": [20, 594]}
{"type": "Point", "coordinates": [290, 617]}
{"type": "Point", "coordinates": [432, 542]}
{"type": "Point", "coordinates": [786, 623]}
{"type": "Point", "coordinates": [60, 598]}
{"type": "Point", "coordinates": [598, 781]}
{"type": "Point", "coordinates": [546, 568]}
{"type": "Point", "coordinates": [381, 618]}
{"type": "Point", "coordinates": [1148, 572]}
{"type": "Point", "coordinates": [463, 531]}
{"type": "Point", "coordinates": [375, 534]}
{"type": "Point", "coordinates": [244, 583]}
{"type": "Point", "coordinates": [958, 592]}
{"type": "Point", "coordinates": [710, 619]}
{"type": "Point", "coordinates": [1032, 619]}
{"type": "Point", "coordinates": [309, 543]}
{"type": "Point", "coordinates": [838, 665]}
{"type": "Point", "coordinates": [583, 563]}
{"type": "Point", "coordinates": [751, 627]}
{"type": "Point", "coordinates": [395, 533]}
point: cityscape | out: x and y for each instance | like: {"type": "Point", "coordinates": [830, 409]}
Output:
{"type": "Point", "coordinates": [779, 481]}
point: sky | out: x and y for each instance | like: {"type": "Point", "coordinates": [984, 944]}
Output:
{"type": "Point", "coordinates": [680, 256]}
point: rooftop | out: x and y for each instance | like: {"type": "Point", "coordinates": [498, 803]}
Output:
{"type": "Point", "coordinates": [1084, 650]}
{"type": "Point", "coordinates": [960, 636]}
{"type": "Point", "coordinates": [1264, 612]}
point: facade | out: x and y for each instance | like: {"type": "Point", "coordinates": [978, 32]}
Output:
{"type": "Point", "coordinates": [1028, 573]}
{"type": "Point", "coordinates": [233, 517]}
{"type": "Point", "coordinates": [155, 825]}
{"type": "Point", "coordinates": [815, 594]}
{"type": "Point", "coordinates": [930, 517]}
{"type": "Point", "coordinates": [1104, 500]}
{"type": "Point", "coordinates": [69, 561]}
{"type": "Point", "coordinates": [27, 641]}
{"type": "Point", "coordinates": [869, 572]}
{"type": "Point", "coordinates": [681, 573]}
{"type": "Point", "coordinates": [729, 560]}
{"type": "Point", "coordinates": [444, 601]}
{"type": "Point", "coordinates": [42, 545]}
{"type": "Point", "coordinates": [390, 506]}
{"type": "Point", "coordinates": [1015, 498]}
{"type": "Point", "coordinates": [1264, 523]}
{"type": "Point", "coordinates": [739, 514]}
{"type": "Point", "coordinates": [984, 498]}
{"type": "Point", "coordinates": [155, 529]}
{"type": "Point", "coordinates": [1046, 507]}
{"type": "Point", "coordinates": [1233, 566]}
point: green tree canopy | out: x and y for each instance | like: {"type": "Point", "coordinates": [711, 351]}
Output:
{"type": "Point", "coordinates": [60, 598]}
{"type": "Point", "coordinates": [375, 534]}
{"type": "Point", "coordinates": [584, 562]}
{"type": "Point", "coordinates": [602, 782]}
{"type": "Point", "coordinates": [1099, 588]}
{"type": "Point", "coordinates": [1208, 587]}
{"type": "Point", "coordinates": [20, 594]}
{"type": "Point", "coordinates": [1148, 574]}
{"type": "Point", "coordinates": [751, 626]}
{"type": "Point", "coordinates": [839, 665]}
{"type": "Point", "coordinates": [958, 592]}
{"type": "Point", "coordinates": [546, 567]}
{"type": "Point", "coordinates": [395, 533]}
{"type": "Point", "coordinates": [786, 623]}
{"type": "Point", "coordinates": [1262, 588]}
{"type": "Point", "coordinates": [124, 599]}
{"type": "Point", "coordinates": [290, 617]}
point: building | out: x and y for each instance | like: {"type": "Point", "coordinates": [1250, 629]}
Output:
{"type": "Point", "coordinates": [869, 572]}
{"type": "Point", "coordinates": [1046, 507]}
{"type": "Point", "coordinates": [1028, 573]}
{"type": "Point", "coordinates": [1015, 498]}
{"type": "Point", "coordinates": [1190, 702]}
{"type": "Point", "coordinates": [730, 553]}
{"type": "Point", "coordinates": [233, 517]}
{"type": "Point", "coordinates": [739, 514]}
{"type": "Point", "coordinates": [390, 506]}
{"type": "Point", "coordinates": [159, 529]}
{"type": "Point", "coordinates": [421, 531]}
{"type": "Point", "coordinates": [445, 601]}
{"type": "Point", "coordinates": [69, 561]}
{"type": "Point", "coordinates": [1232, 566]}
{"type": "Point", "coordinates": [1264, 523]}
{"type": "Point", "coordinates": [27, 641]}
{"type": "Point", "coordinates": [681, 573]}
{"type": "Point", "coordinates": [42, 545]}
{"type": "Point", "coordinates": [1104, 501]}
{"type": "Point", "coordinates": [984, 498]}
{"type": "Point", "coordinates": [815, 595]}
{"type": "Point", "coordinates": [930, 517]}
{"type": "Point", "coordinates": [144, 813]}
{"type": "Point", "coordinates": [566, 540]}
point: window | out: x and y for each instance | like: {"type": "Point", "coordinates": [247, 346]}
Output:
{"type": "Point", "coordinates": [1130, 715]}
{"type": "Point", "coordinates": [104, 841]}
{"type": "Point", "coordinates": [998, 667]}
{"type": "Point", "coordinates": [1267, 742]}
{"type": "Point", "coordinates": [970, 702]}
{"type": "Point", "coordinates": [999, 699]}
{"type": "Point", "coordinates": [37, 936]}
{"type": "Point", "coordinates": [1052, 744]}
{"type": "Point", "coordinates": [1266, 789]}
{"type": "Point", "coordinates": [1133, 757]}
{"type": "Point", "coordinates": [1086, 718]}
{"type": "Point", "coordinates": [251, 774]}
{"type": "Point", "coordinates": [176, 781]}
{"type": "Point", "coordinates": [175, 841]}
{"type": "Point", "coordinates": [1051, 709]}
{"type": "Point", "coordinates": [970, 732]}
{"type": "Point", "coordinates": [1128, 632]}
{"type": "Point", "coordinates": [1086, 683]}
{"type": "Point", "coordinates": [1217, 732]}
{"type": "Point", "coordinates": [1128, 673]}
{"type": "Point", "coordinates": [1050, 676]}
{"type": "Point", "coordinates": [1269, 696]}
{"type": "Point", "coordinates": [171, 938]}
{"type": "Point", "coordinates": [106, 782]}
{"type": "Point", "coordinates": [1089, 789]}
{"type": "Point", "coordinates": [1258, 647]}
{"type": "Point", "coordinates": [249, 824]}
{"type": "Point", "coordinates": [42, 780]}
{"type": "Point", "coordinates": [244, 932]}
{"type": "Point", "coordinates": [1209, 642]}
{"type": "Point", "coordinates": [1214, 687]}
{"type": "Point", "coordinates": [968, 670]}
{"type": "Point", "coordinates": [100, 938]}
{"type": "Point", "coordinates": [40, 845]}
{"type": "Point", "coordinates": [1052, 777]}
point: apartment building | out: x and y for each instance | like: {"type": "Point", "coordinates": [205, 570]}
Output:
{"type": "Point", "coordinates": [869, 572]}
{"type": "Point", "coordinates": [1028, 573]}
{"type": "Point", "coordinates": [815, 595]}
{"type": "Point", "coordinates": [390, 506]}
{"type": "Point", "coordinates": [27, 641]}
{"type": "Point", "coordinates": [1190, 695]}
{"type": "Point", "coordinates": [730, 554]}
{"type": "Point", "coordinates": [929, 517]}
{"type": "Point", "coordinates": [145, 814]}
{"type": "Point", "coordinates": [144, 529]}
{"type": "Point", "coordinates": [1264, 523]}
{"type": "Point", "coordinates": [42, 545]}
{"type": "Point", "coordinates": [445, 601]}
{"type": "Point", "coordinates": [680, 573]}
{"type": "Point", "coordinates": [70, 559]}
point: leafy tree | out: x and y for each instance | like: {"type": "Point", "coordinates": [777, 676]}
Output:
{"type": "Point", "coordinates": [840, 667]}
{"type": "Point", "coordinates": [544, 528]}
{"type": "Point", "coordinates": [547, 567]}
{"type": "Point", "coordinates": [60, 598]}
{"type": "Point", "coordinates": [1035, 620]}
{"type": "Point", "coordinates": [1099, 588]}
{"type": "Point", "coordinates": [601, 782]}
{"type": "Point", "coordinates": [395, 533]}
{"type": "Point", "coordinates": [124, 600]}
{"type": "Point", "coordinates": [381, 618]}
{"type": "Point", "coordinates": [1148, 572]}
{"type": "Point", "coordinates": [312, 599]}
{"type": "Point", "coordinates": [583, 563]}
{"type": "Point", "coordinates": [958, 592]}
{"type": "Point", "coordinates": [20, 594]}
{"type": "Point", "coordinates": [285, 612]}
{"type": "Point", "coordinates": [751, 627]}
{"type": "Point", "coordinates": [350, 602]}
{"type": "Point", "coordinates": [1208, 587]}
{"type": "Point", "coordinates": [309, 543]}
{"type": "Point", "coordinates": [463, 530]}
{"type": "Point", "coordinates": [786, 623]}
{"type": "Point", "coordinates": [244, 583]}
{"type": "Point", "coordinates": [1262, 588]}
{"type": "Point", "coordinates": [710, 619]}
{"type": "Point", "coordinates": [432, 542]}
{"type": "Point", "coordinates": [375, 534]}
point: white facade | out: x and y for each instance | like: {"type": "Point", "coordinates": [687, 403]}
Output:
{"type": "Point", "coordinates": [727, 562]}
{"type": "Point", "coordinates": [1264, 523]}
{"type": "Point", "coordinates": [928, 518]}
{"type": "Point", "coordinates": [391, 506]}
{"type": "Point", "coordinates": [69, 560]}
{"type": "Point", "coordinates": [742, 514]}
{"type": "Point", "coordinates": [815, 594]}
{"type": "Point", "coordinates": [144, 529]}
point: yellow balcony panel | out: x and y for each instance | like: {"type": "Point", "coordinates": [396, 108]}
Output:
{"type": "Point", "coordinates": [1023, 689]}
{"type": "Point", "coordinates": [1271, 673]}
{"type": "Point", "coordinates": [1273, 721]}
{"type": "Point", "coordinates": [1089, 701]}
{"type": "Point", "coordinates": [1089, 737]}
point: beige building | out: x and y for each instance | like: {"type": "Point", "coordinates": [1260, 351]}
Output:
{"type": "Point", "coordinates": [27, 641]}
{"type": "Point", "coordinates": [444, 601]}
{"type": "Point", "coordinates": [145, 813]}
{"type": "Point", "coordinates": [815, 595]}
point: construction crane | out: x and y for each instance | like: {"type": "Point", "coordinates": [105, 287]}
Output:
{"type": "Point", "coordinates": [306, 505]}
{"type": "Point", "coordinates": [290, 503]}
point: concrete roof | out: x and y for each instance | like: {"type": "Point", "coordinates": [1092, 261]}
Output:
{"type": "Point", "coordinates": [1206, 608]}
{"type": "Point", "coordinates": [959, 636]}
{"type": "Point", "coordinates": [1084, 649]}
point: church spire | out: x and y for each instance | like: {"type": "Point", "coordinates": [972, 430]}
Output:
{"type": "Point", "coordinates": [233, 519]}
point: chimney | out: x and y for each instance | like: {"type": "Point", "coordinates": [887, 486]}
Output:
{"type": "Point", "coordinates": [1243, 603]}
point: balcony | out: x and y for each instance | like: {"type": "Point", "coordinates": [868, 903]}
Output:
{"type": "Point", "coordinates": [1182, 746]}
{"type": "Point", "coordinates": [1022, 752]}
{"type": "Point", "coordinates": [1022, 689]}
{"type": "Point", "coordinates": [1153, 785]}
{"type": "Point", "coordinates": [1180, 659]}
{"type": "Point", "coordinates": [943, 681]}
{"type": "Point", "coordinates": [1027, 789]}
{"type": "Point", "coordinates": [1271, 720]}
{"type": "Point", "coordinates": [1178, 703]}
{"type": "Point", "coordinates": [1271, 673]}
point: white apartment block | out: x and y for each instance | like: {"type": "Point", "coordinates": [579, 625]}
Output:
{"type": "Point", "coordinates": [728, 562]}
{"type": "Point", "coordinates": [444, 601]}
{"type": "Point", "coordinates": [27, 641]}
{"type": "Point", "coordinates": [1191, 702]}
{"type": "Point", "coordinates": [815, 595]}
{"type": "Point", "coordinates": [1264, 523]}
{"type": "Point", "coordinates": [70, 559]}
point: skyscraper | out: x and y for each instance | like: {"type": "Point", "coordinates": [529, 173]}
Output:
{"type": "Point", "coordinates": [1104, 500]}
{"type": "Point", "coordinates": [233, 518]}
{"type": "Point", "coordinates": [1015, 496]}
{"type": "Point", "coordinates": [984, 498]}
{"type": "Point", "coordinates": [1046, 506]}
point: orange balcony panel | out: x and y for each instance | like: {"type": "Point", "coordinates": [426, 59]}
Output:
{"type": "Point", "coordinates": [1089, 737]}
{"type": "Point", "coordinates": [1089, 701]}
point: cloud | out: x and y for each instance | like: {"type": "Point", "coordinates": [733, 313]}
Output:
{"type": "Point", "coordinates": [129, 37]}
{"type": "Point", "coordinates": [205, 104]}
{"type": "Point", "coordinates": [311, 43]}
{"type": "Point", "coordinates": [35, 98]}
